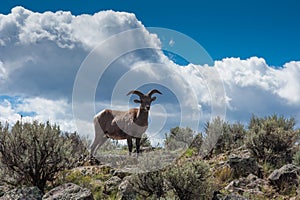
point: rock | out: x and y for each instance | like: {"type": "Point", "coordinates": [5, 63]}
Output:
{"type": "Point", "coordinates": [3, 190]}
{"type": "Point", "coordinates": [285, 178]}
{"type": "Point", "coordinates": [68, 191]}
{"type": "Point", "coordinates": [112, 184]}
{"type": "Point", "coordinates": [121, 173]}
{"type": "Point", "coordinates": [242, 167]}
{"type": "Point", "coordinates": [92, 170]}
{"type": "Point", "coordinates": [126, 189]}
{"type": "Point", "coordinates": [28, 193]}
{"type": "Point", "coordinates": [234, 197]}
{"type": "Point", "coordinates": [219, 196]}
{"type": "Point", "coordinates": [251, 185]}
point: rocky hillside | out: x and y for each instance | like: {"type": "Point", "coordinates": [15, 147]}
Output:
{"type": "Point", "coordinates": [230, 175]}
{"type": "Point", "coordinates": [258, 162]}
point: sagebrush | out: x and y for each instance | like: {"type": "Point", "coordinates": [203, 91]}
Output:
{"type": "Point", "coordinates": [32, 153]}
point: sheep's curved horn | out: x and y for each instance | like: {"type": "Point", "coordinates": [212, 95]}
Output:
{"type": "Point", "coordinates": [153, 92]}
{"type": "Point", "coordinates": [136, 92]}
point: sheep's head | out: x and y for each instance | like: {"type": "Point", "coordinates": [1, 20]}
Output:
{"type": "Point", "coordinates": [145, 99]}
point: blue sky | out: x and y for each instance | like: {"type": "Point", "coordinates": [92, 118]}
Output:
{"type": "Point", "coordinates": [233, 28]}
{"type": "Point", "coordinates": [254, 45]}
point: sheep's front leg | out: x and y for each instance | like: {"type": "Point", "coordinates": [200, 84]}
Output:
{"type": "Point", "coordinates": [138, 144]}
{"type": "Point", "coordinates": [129, 143]}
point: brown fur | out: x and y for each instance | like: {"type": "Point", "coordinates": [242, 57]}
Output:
{"type": "Point", "coordinates": [120, 125]}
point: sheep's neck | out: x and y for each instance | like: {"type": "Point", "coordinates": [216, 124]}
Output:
{"type": "Point", "coordinates": [142, 117]}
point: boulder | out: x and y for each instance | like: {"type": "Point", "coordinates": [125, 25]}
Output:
{"type": "Point", "coordinates": [234, 197]}
{"type": "Point", "coordinates": [3, 190]}
{"type": "Point", "coordinates": [126, 189]}
{"type": "Point", "coordinates": [219, 196]}
{"type": "Point", "coordinates": [69, 191]}
{"type": "Point", "coordinates": [251, 185]}
{"type": "Point", "coordinates": [242, 167]}
{"type": "Point", "coordinates": [121, 173]}
{"type": "Point", "coordinates": [111, 185]}
{"type": "Point", "coordinates": [28, 193]}
{"type": "Point", "coordinates": [285, 178]}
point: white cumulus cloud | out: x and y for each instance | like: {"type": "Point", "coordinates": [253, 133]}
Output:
{"type": "Point", "coordinates": [43, 51]}
{"type": "Point", "coordinates": [255, 87]}
{"type": "Point", "coordinates": [36, 108]}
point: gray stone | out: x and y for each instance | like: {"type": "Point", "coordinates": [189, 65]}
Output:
{"type": "Point", "coordinates": [219, 196]}
{"type": "Point", "coordinates": [3, 190]}
{"type": "Point", "coordinates": [122, 173]}
{"type": "Point", "coordinates": [242, 167]}
{"type": "Point", "coordinates": [285, 178]}
{"type": "Point", "coordinates": [68, 191]}
{"type": "Point", "coordinates": [234, 197]}
{"type": "Point", "coordinates": [126, 189]}
{"type": "Point", "coordinates": [23, 193]}
{"type": "Point", "coordinates": [112, 184]}
{"type": "Point", "coordinates": [249, 185]}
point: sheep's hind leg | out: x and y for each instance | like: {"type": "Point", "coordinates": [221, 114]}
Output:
{"type": "Point", "coordinates": [100, 138]}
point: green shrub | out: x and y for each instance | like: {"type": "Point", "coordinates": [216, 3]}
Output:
{"type": "Point", "coordinates": [189, 153]}
{"type": "Point", "coordinates": [232, 137]}
{"type": "Point", "coordinates": [33, 153]}
{"type": "Point", "coordinates": [271, 139]}
{"type": "Point", "coordinates": [221, 136]}
{"type": "Point", "coordinates": [77, 178]}
{"type": "Point", "coordinates": [147, 185]}
{"type": "Point", "coordinates": [145, 141]}
{"type": "Point", "coordinates": [83, 180]}
{"type": "Point", "coordinates": [190, 180]}
{"type": "Point", "coordinates": [296, 158]}
{"type": "Point", "coordinates": [224, 174]}
{"type": "Point", "coordinates": [197, 143]}
{"type": "Point", "coordinates": [212, 132]}
{"type": "Point", "coordinates": [179, 138]}
{"type": "Point", "coordinates": [270, 122]}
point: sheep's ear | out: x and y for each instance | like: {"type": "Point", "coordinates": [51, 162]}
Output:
{"type": "Point", "coordinates": [153, 99]}
{"type": "Point", "coordinates": [136, 101]}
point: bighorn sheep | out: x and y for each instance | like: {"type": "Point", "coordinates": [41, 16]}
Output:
{"type": "Point", "coordinates": [120, 125]}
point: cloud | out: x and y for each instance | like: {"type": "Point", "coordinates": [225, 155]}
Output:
{"type": "Point", "coordinates": [289, 88]}
{"type": "Point", "coordinates": [42, 54]}
{"type": "Point", "coordinates": [255, 73]}
{"type": "Point", "coordinates": [2, 71]}
{"type": "Point", "coordinates": [8, 113]}
{"type": "Point", "coordinates": [249, 87]}
{"type": "Point", "coordinates": [36, 108]}
{"type": "Point", "coordinates": [64, 29]}
{"type": "Point", "coordinates": [255, 87]}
